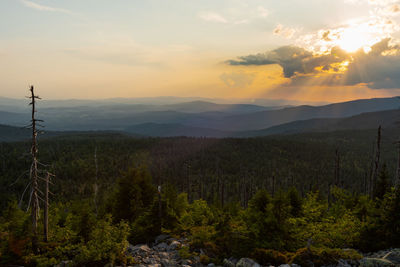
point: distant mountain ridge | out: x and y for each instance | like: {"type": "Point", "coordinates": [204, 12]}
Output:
{"type": "Point", "coordinates": [201, 118]}
{"type": "Point", "coordinates": [265, 119]}
{"type": "Point", "coordinates": [364, 121]}
{"type": "Point", "coordinates": [388, 119]}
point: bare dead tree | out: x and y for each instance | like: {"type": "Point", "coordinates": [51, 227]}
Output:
{"type": "Point", "coordinates": [377, 159]}
{"type": "Point", "coordinates": [34, 200]}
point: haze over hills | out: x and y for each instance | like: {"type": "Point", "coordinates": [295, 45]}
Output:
{"type": "Point", "coordinates": [370, 120]}
{"type": "Point", "coordinates": [202, 118]}
{"type": "Point", "coordinates": [18, 105]}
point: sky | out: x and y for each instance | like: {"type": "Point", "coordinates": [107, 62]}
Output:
{"type": "Point", "coordinates": [308, 50]}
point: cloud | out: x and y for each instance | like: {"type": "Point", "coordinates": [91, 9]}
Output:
{"type": "Point", "coordinates": [294, 60]}
{"type": "Point", "coordinates": [238, 79]}
{"type": "Point", "coordinates": [213, 17]}
{"type": "Point", "coordinates": [36, 6]}
{"type": "Point", "coordinates": [372, 2]}
{"type": "Point", "coordinates": [263, 12]}
{"type": "Point", "coordinates": [379, 69]}
{"type": "Point", "coordinates": [286, 32]}
{"type": "Point", "coordinates": [244, 14]}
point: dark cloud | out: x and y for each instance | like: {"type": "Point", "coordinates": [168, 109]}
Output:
{"type": "Point", "coordinates": [294, 60]}
{"type": "Point", "coordinates": [378, 69]}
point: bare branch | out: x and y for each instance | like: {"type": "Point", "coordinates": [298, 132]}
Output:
{"type": "Point", "coordinates": [22, 197]}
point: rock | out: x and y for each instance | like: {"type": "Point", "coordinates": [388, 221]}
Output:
{"type": "Point", "coordinates": [138, 249]}
{"type": "Point", "coordinates": [174, 245]}
{"type": "Point", "coordinates": [375, 262]}
{"type": "Point", "coordinates": [161, 238]}
{"type": "Point", "coordinates": [343, 263]}
{"type": "Point", "coordinates": [228, 263]}
{"type": "Point", "coordinates": [161, 247]}
{"type": "Point", "coordinates": [294, 265]}
{"type": "Point", "coordinates": [246, 262]}
{"type": "Point", "coordinates": [164, 255]}
{"type": "Point", "coordinates": [211, 265]}
{"type": "Point", "coordinates": [165, 263]}
{"type": "Point", "coordinates": [186, 262]}
{"type": "Point", "coordinates": [284, 265]}
{"type": "Point", "coordinates": [393, 256]}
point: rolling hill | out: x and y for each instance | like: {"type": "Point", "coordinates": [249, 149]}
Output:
{"type": "Point", "coordinates": [370, 120]}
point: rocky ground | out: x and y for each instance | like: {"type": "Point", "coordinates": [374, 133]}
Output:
{"type": "Point", "coordinates": [165, 253]}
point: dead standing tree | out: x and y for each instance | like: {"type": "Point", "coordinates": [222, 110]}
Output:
{"type": "Point", "coordinates": [34, 200]}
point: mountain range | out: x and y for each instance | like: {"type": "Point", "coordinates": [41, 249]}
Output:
{"type": "Point", "coordinates": [200, 118]}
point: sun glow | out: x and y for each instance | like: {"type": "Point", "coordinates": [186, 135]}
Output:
{"type": "Point", "coordinates": [352, 39]}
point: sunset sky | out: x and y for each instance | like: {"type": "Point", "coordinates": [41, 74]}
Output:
{"type": "Point", "coordinates": [309, 50]}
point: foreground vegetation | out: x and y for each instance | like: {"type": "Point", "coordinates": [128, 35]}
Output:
{"type": "Point", "coordinates": [273, 230]}
{"type": "Point", "coordinates": [277, 219]}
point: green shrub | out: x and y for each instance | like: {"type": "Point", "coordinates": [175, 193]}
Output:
{"type": "Point", "coordinates": [184, 252]}
{"type": "Point", "coordinates": [323, 256]}
{"type": "Point", "coordinates": [269, 257]}
{"type": "Point", "coordinates": [204, 259]}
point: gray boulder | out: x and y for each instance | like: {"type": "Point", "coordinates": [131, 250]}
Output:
{"type": "Point", "coordinates": [376, 262]}
{"type": "Point", "coordinates": [393, 256]}
{"type": "Point", "coordinates": [174, 245]}
{"type": "Point", "coordinates": [138, 249]}
{"type": "Point", "coordinates": [228, 263]}
{"type": "Point", "coordinates": [161, 238]}
{"type": "Point", "coordinates": [246, 262]}
{"type": "Point", "coordinates": [161, 247]}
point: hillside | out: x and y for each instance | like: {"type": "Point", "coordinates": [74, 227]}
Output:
{"type": "Point", "coordinates": [265, 119]}
{"type": "Point", "coordinates": [197, 114]}
{"type": "Point", "coordinates": [370, 120]}
{"type": "Point", "coordinates": [170, 130]}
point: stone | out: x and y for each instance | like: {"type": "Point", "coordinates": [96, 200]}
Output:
{"type": "Point", "coordinates": [138, 249]}
{"type": "Point", "coordinates": [165, 263]}
{"type": "Point", "coordinates": [161, 247]}
{"type": "Point", "coordinates": [174, 245]}
{"type": "Point", "coordinates": [375, 262]}
{"type": "Point", "coordinates": [393, 256]}
{"type": "Point", "coordinates": [164, 255]}
{"type": "Point", "coordinates": [284, 265]}
{"type": "Point", "coordinates": [343, 263]}
{"type": "Point", "coordinates": [228, 263]}
{"type": "Point", "coordinates": [161, 238]}
{"type": "Point", "coordinates": [211, 265]}
{"type": "Point", "coordinates": [246, 262]}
